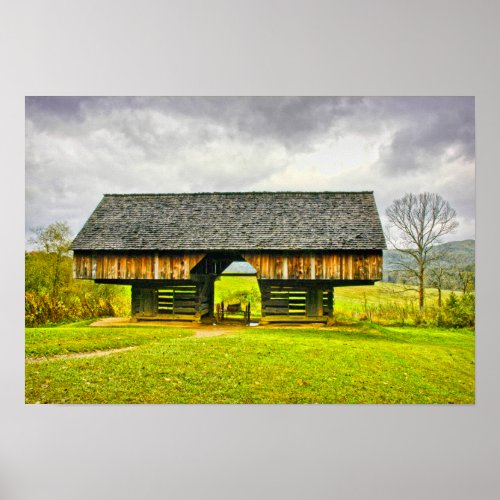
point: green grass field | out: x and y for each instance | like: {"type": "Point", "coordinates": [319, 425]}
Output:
{"type": "Point", "coordinates": [350, 363]}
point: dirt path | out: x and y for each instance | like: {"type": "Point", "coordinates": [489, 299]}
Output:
{"type": "Point", "coordinates": [92, 354]}
{"type": "Point", "coordinates": [199, 330]}
{"type": "Point", "coordinates": [214, 331]}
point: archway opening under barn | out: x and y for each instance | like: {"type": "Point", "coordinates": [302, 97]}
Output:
{"type": "Point", "coordinates": [231, 290]}
{"type": "Point", "coordinates": [237, 297]}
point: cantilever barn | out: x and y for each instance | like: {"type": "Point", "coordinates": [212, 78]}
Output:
{"type": "Point", "coordinates": [172, 247]}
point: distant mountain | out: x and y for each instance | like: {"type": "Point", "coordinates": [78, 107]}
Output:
{"type": "Point", "coordinates": [460, 252]}
{"type": "Point", "coordinates": [238, 267]}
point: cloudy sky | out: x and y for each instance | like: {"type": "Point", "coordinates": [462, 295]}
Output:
{"type": "Point", "coordinates": [78, 148]}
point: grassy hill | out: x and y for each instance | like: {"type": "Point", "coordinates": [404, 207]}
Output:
{"type": "Point", "coordinates": [463, 252]}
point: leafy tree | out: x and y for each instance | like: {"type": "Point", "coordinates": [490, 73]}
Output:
{"type": "Point", "coordinates": [37, 275]}
{"type": "Point", "coordinates": [418, 222]}
{"type": "Point", "coordinates": [54, 241]}
{"type": "Point", "coordinates": [55, 238]}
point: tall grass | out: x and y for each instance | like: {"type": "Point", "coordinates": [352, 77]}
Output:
{"type": "Point", "coordinates": [394, 304]}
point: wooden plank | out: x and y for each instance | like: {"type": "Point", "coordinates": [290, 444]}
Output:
{"type": "Point", "coordinates": [181, 310]}
{"type": "Point", "coordinates": [265, 266]}
{"type": "Point", "coordinates": [76, 259]}
{"type": "Point", "coordinates": [161, 267]}
{"type": "Point", "coordinates": [167, 317]}
{"type": "Point", "coordinates": [278, 269]}
{"type": "Point", "coordinates": [294, 319]}
{"type": "Point", "coordinates": [131, 266]}
{"type": "Point", "coordinates": [176, 267]}
{"type": "Point", "coordinates": [77, 265]}
{"type": "Point", "coordinates": [150, 266]}
{"type": "Point", "coordinates": [318, 270]}
{"type": "Point", "coordinates": [182, 268]}
{"type": "Point", "coordinates": [285, 267]}
{"type": "Point", "coordinates": [185, 303]}
{"type": "Point", "coordinates": [137, 266]}
{"type": "Point", "coordinates": [93, 266]}
{"type": "Point", "coordinates": [276, 302]}
{"type": "Point", "coordinates": [115, 263]}
{"type": "Point", "coordinates": [156, 271]}
{"type": "Point", "coordinates": [169, 266]}
{"type": "Point", "coordinates": [120, 267]}
{"type": "Point", "coordinates": [307, 266]}
{"type": "Point", "coordinates": [276, 310]}
{"type": "Point", "coordinates": [99, 263]}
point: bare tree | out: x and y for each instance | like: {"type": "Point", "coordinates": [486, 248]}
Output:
{"type": "Point", "coordinates": [439, 276]}
{"type": "Point", "coordinates": [419, 221]}
{"type": "Point", "coordinates": [466, 279]}
{"type": "Point", "coordinates": [440, 270]}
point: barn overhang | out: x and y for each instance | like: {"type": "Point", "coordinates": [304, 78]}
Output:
{"type": "Point", "coordinates": [355, 266]}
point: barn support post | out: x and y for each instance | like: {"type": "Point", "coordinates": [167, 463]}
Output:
{"type": "Point", "coordinates": [134, 299]}
{"type": "Point", "coordinates": [330, 305]}
{"type": "Point", "coordinates": [205, 295]}
{"type": "Point", "coordinates": [330, 302]}
{"type": "Point", "coordinates": [265, 293]}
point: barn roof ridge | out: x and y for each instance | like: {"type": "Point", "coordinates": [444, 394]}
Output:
{"type": "Point", "coordinates": [236, 192]}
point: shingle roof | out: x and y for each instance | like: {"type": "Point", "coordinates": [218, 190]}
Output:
{"type": "Point", "coordinates": [234, 221]}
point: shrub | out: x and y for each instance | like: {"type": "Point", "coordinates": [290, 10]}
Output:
{"type": "Point", "coordinates": [76, 303]}
{"type": "Point", "coordinates": [459, 311]}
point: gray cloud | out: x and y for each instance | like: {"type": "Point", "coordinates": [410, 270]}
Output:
{"type": "Point", "coordinates": [425, 124]}
{"type": "Point", "coordinates": [80, 147]}
{"type": "Point", "coordinates": [431, 131]}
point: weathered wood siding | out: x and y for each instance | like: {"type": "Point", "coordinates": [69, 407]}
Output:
{"type": "Point", "coordinates": [127, 266]}
{"type": "Point", "coordinates": [269, 265]}
{"type": "Point", "coordinates": [317, 265]}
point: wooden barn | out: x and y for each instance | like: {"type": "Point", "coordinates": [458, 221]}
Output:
{"type": "Point", "coordinates": [172, 247]}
